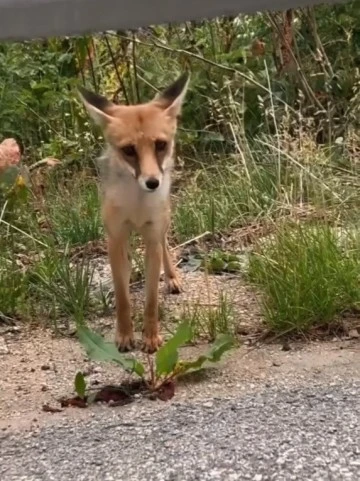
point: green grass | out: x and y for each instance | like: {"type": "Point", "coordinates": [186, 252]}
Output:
{"type": "Point", "coordinates": [221, 197]}
{"type": "Point", "coordinates": [74, 213]}
{"type": "Point", "coordinates": [13, 288]}
{"type": "Point", "coordinates": [307, 276]}
{"type": "Point", "coordinates": [207, 321]}
{"type": "Point", "coordinates": [58, 282]}
{"type": "Point", "coordinates": [263, 183]}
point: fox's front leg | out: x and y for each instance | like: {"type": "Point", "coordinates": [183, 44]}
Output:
{"type": "Point", "coordinates": [121, 270]}
{"type": "Point", "coordinates": [118, 235]}
{"type": "Point", "coordinates": [153, 257]}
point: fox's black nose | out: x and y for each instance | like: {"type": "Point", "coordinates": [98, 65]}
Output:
{"type": "Point", "coordinates": [152, 183]}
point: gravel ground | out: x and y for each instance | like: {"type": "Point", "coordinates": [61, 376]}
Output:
{"type": "Point", "coordinates": [276, 433]}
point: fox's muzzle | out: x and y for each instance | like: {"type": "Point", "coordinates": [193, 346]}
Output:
{"type": "Point", "coordinates": [150, 183]}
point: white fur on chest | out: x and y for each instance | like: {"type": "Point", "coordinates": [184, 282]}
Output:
{"type": "Point", "coordinates": [133, 203]}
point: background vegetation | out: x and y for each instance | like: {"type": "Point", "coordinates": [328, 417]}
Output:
{"type": "Point", "coordinates": [269, 136]}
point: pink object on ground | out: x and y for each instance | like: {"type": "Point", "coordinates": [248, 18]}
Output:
{"type": "Point", "coordinates": [9, 153]}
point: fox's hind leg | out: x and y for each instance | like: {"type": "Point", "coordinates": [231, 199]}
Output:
{"type": "Point", "coordinates": [171, 276]}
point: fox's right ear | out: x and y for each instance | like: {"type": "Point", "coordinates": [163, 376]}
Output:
{"type": "Point", "coordinates": [98, 107]}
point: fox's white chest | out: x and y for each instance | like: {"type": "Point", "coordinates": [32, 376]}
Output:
{"type": "Point", "coordinates": [135, 205]}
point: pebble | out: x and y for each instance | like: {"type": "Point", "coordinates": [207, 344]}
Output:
{"type": "Point", "coordinates": [3, 347]}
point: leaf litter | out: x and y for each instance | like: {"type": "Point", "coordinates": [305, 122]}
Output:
{"type": "Point", "coordinates": [121, 395]}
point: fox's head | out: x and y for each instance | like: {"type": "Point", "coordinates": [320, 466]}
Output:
{"type": "Point", "coordinates": [142, 135]}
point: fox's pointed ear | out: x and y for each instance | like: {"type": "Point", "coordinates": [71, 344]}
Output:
{"type": "Point", "coordinates": [98, 107]}
{"type": "Point", "coordinates": [171, 98]}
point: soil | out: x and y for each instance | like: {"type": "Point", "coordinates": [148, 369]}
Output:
{"type": "Point", "coordinates": [38, 367]}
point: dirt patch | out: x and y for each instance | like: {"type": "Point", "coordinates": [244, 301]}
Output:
{"type": "Point", "coordinates": [40, 369]}
{"type": "Point", "coordinates": [200, 294]}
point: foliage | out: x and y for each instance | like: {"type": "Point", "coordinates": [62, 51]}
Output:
{"type": "Point", "coordinates": [100, 350]}
{"type": "Point", "coordinates": [219, 261]}
{"type": "Point", "coordinates": [80, 384]}
{"type": "Point", "coordinates": [308, 275]}
{"type": "Point", "coordinates": [167, 363]}
{"type": "Point", "coordinates": [38, 104]}
{"type": "Point", "coordinates": [257, 142]}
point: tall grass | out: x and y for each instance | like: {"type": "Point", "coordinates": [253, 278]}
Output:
{"type": "Point", "coordinates": [74, 213]}
{"type": "Point", "coordinates": [307, 274]}
{"type": "Point", "coordinates": [267, 180]}
{"type": "Point", "coordinates": [248, 136]}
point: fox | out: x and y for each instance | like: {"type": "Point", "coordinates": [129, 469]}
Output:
{"type": "Point", "coordinates": [135, 176]}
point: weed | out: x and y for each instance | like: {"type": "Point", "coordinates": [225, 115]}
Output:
{"type": "Point", "coordinates": [158, 376]}
{"type": "Point", "coordinates": [58, 281]}
{"type": "Point", "coordinates": [208, 321]}
{"type": "Point", "coordinates": [13, 288]}
{"type": "Point", "coordinates": [75, 215]}
{"type": "Point", "coordinates": [306, 276]}
{"type": "Point", "coordinates": [218, 262]}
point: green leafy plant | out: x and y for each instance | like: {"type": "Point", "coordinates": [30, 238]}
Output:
{"type": "Point", "coordinates": [219, 261]}
{"type": "Point", "coordinates": [100, 350]}
{"type": "Point", "coordinates": [80, 384]}
{"type": "Point", "coordinates": [156, 375]}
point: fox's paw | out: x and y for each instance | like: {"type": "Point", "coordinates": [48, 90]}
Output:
{"type": "Point", "coordinates": [173, 285]}
{"type": "Point", "coordinates": [151, 344]}
{"type": "Point", "coordinates": [124, 343]}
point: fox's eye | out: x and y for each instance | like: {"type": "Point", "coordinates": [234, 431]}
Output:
{"type": "Point", "coordinates": [160, 145]}
{"type": "Point", "coordinates": [129, 150]}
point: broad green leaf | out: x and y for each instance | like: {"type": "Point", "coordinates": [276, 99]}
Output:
{"type": "Point", "coordinates": [100, 350]}
{"type": "Point", "coordinates": [80, 384]}
{"type": "Point", "coordinates": [222, 343]}
{"type": "Point", "coordinates": [167, 356]}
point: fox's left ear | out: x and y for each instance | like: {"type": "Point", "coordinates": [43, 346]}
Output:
{"type": "Point", "coordinates": [171, 99]}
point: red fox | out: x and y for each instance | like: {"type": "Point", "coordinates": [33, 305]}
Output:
{"type": "Point", "coordinates": [136, 178]}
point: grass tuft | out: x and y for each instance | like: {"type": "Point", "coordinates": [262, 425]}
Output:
{"type": "Point", "coordinates": [75, 216]}
{"type": "Point", "coordinates": [308, 275]}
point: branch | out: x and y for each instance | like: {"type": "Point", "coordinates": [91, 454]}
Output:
{"type": "Point", "coordinates": [212, 63]}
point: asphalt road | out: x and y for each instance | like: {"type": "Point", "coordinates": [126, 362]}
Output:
{"type": "Point", "coordinates": [310, 433]}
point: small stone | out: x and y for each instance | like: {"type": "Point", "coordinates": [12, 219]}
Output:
{"type": "Point", "coordinates": [354, 334]}
{"type": "Point", "coordinates": [45, 367]}
{"type": "Point", "coordinates": [286, 346]}
{"type": "Point", "coordinates": [14, 329]}
{"type": "Point", "coordinates": [3, 347]}
{"type": "Point", "coordinates": [44, 388]}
